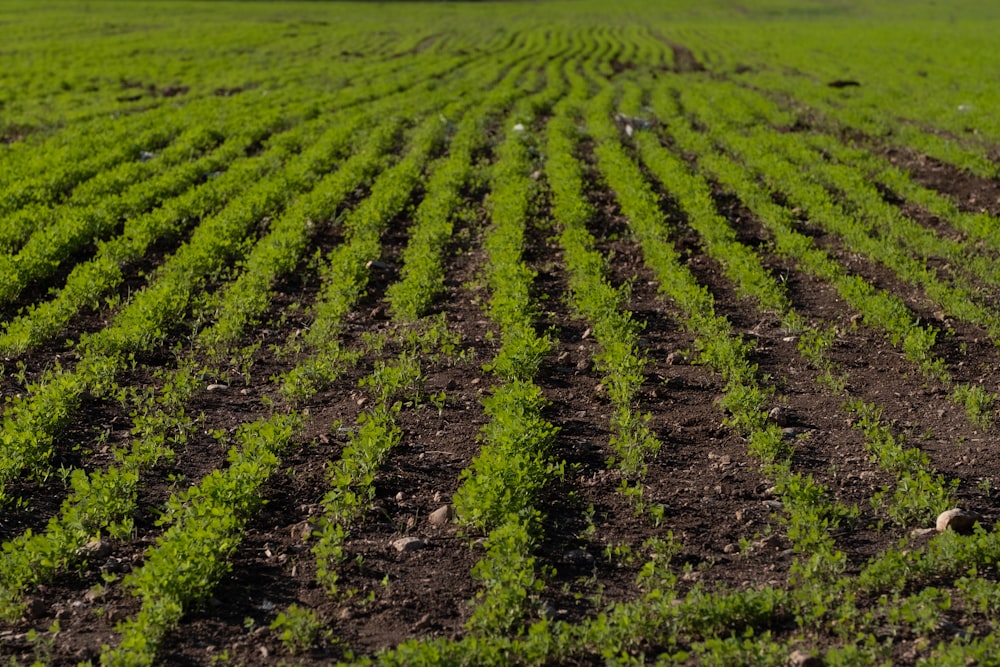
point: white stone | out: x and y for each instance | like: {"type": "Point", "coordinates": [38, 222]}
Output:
{"type": "Point", "coordinates": [404, 544]}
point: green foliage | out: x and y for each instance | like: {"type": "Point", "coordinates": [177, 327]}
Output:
{"type": "Point", "coordinates": [297, 628]}
{"type": "Point", "coordinates": [505, 477]}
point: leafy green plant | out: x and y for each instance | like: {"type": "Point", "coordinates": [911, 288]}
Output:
{"type": "Point", "coordinates": [297, 628]}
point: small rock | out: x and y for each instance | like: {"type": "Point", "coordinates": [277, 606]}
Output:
{"type": "Point", "coordinates": [35, 608]}
{"type": "Point", "coordinates": [146, 156]}
{"type": "Point", "coordinates": [774, 504]}
{"type": "Point", "coordinates": [730, 549]}
{"type": "Point", "coordinates": [217, 387]}
{"type": "Point", "coordinates": [804, 659]}
{"type": "Point", "coordinates": [405, 544]}
{"type": "Point", "coordinates": [923, 532]}
{"type": "Point", "coordinates": [535, 175]}
{"type": "Point", "coordinates": [345, 614]}
{"type": "Point", "coordinates": [440, 516]}
{"type": "Point", "coordinates": [95, 594]}
{"type": "Point", "coordinates": [583, 365]}
{"type": "Point", "coordinates": [519, 127]}
{"type": "Point", "coordinates": [780, 415]}
{"type": "Point", "coordinates": [958, 520]}
{"type": "Point", "coordinates": [424, 621]}
{"type": "Point", "coordinates": [792, 431]}
{"type": "Point", "coordinates": [375, 264]}
{"type": "Point", "coordinates": [95, 549]}
{"type": "Point", "coordinates": [770, 542]}
{"type": "Point", "coordinates": [674, 359]}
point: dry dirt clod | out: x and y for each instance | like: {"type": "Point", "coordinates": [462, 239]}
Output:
{"type": "Point", "coordinates": [674, 359]}
{"type": "Point", "coordinates": [35, 608]}
{"type": "Point", "coordinates": [804, 659]}
{"type": "Point", "coordinates": [440, 516]}
{"type": "Point", "coordinates": [405, 544]}
{"type": "Point", "coordinates": [95, 549]}
{"type": "Point", "coordinates": [780, 415]}
{"type": "Point", "coordinates": [770, 542]}
{"type": "Point", "coordinates": [958, 520]}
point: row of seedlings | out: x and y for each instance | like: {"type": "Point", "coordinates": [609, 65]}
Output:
{"type": "Point", "coordinates": [499, 490]}
{"type": "Point", "coordinates": [244, 299]}
{"type": "Point", "coordinates": [90, 281]}
{"type": "Point", "coordinates": [598, 302]}
{"type": "Point", "coordinates": [880, 309]}
{"type": "Point", "coordinates": [233, 313]}
{"type": "Point", "coordinates": [46, 170]}
{"type": "Point", "coordinates": [161, 590]}
{"type": "Point", "coordinates": [744, 269]}
{"type": "Point", "coordinates": [249, 125]}
{"type": "Point", "coordinates": [31, 423]}
{"type": "Point", "coordinates": [980, 229]}
{"type": "Point", "coordinates": [388, 196]}
{"type": "Point", "coordinates": [877, 118]}
{"type": "Point", "coordinates": [920, 492]}
{"type": "Point", "coordinates": [858, 214]}
{"type": "Point", "coordinates": [809, 514]}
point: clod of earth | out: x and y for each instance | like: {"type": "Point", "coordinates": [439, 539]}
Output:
{"type": "Point", "coordinates": [959, 520]}
{"type": "Point", "coordinates": [440, 516]}
{"type": "Point", "coordinates": [95, 549]}
{"type": "Point", "coordinates": [405, 544]}
{"type": "Point", "coordinates": [780, 415]}
{"type": "Point", "coordinates": [804, 659]}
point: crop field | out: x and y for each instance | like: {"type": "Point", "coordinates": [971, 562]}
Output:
{"type": "Point", "coordinates": [548, 333]}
